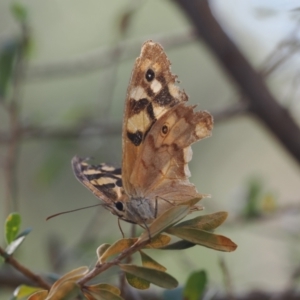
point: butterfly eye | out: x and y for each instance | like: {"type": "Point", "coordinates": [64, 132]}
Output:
{"type": "Point", "coordinates": [164, 129]}
{"type": "Point", "coordinates": [150, 75]}
{"type": "Point", "coordinates": [119, 206]}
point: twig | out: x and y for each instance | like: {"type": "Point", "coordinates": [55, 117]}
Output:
{"type": "Point", "coordinates": [277, 57]}
{"type": "Point", "coordinates": [292, 47]}
{"type": "Point", "coordinates": [226, 278]}
{"type": "Point", "coordinates": [124, 287]}
{"type": "Point", "coordinates": [13, 111]}
{"type": "Point", "coordinates": [99, 268]}
{"type": "Point", "coordinates": [34, 277]}
{"type": "Point", "coordinates": [271, 63]}
{"type": "Point", "coordinates": [103, 57]}
{"type": "Point", "coordinates": [11, 278]}
{"type": "Point", "coordinates": [107, 128]}
{"type": "Point", "coordinates": [276, 118]}
{"type": "Point", "coordinates": [284, 210]}
{"type": "Point", "coordinates": [236, 109]}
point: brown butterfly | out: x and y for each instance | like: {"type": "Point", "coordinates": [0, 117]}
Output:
{"type": "Point", "coordinates": [158, 130]}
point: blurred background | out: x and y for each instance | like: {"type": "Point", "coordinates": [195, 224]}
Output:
{"type": "Point", "coordinates": [72, 62]}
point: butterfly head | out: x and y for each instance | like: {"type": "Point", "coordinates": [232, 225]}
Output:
{"type": "Point", "coordinates": [138, 211]}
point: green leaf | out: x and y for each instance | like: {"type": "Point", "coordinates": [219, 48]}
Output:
{"type": "Point", "coordinates": [105, 250]}
{"type": "Point", "coordinates": [8, 55]}
{"type": "Point", "coordinates": [71, 276]}
{"type": "Point", "coordinates": [180, 245]}
{"type": "Point", "coordinates": [104, 286]}
{"type": "Point", "coordinates": [102, 291]}
{"type": "Point", "coordinates": [15, 244]}
{"type": "Point", "coordinates": [204, 238]}
{"type": "Point", "coordinates": [12, 226]}
{"type": "Point", "coordinates": [101, 250]}
{"type": "Point", "coordinates": [206, 222]}
{"type": "Point", "coordinates": [23, 291]}
{"type": "Point", "coordinates": [41, 295]}
{"type": "Point", "coordinates": [19, 11]}
{"type": "Point", "coordinates": [167, 219]}
{"type": "Point", "coordinates": [251, 209]}
{"type": "Point", "coordinates": [156, 277]}
{"type": "Point", "coordinates": [116, 248]}
{"type": "Point", "coordinates": [149, 262]}
{"type": "Point", "coordinates": [66, 290]}
{"type": "Point", "coordinates": [24, 232]}
{"type": "Point", "coordinates": [137, 282]}
{"type": "Point", "coordinates": [158, 241]}
{"type": "Point", "coordinates": [195, 286]}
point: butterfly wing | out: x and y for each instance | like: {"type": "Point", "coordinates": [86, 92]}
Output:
{"type": "Point", "coordinates": [158, 129]}
{"type": "Point", "coordinates": [161, 170]}
{"type": "Point", "coordinates": [104, 181]}
{"type": "Point", "coordinates": [151, 93]}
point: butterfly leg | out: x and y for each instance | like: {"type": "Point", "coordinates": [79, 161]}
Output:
{"type": "Point", "coordinates": [155, 209]}
{"type": "Point", "coordinates": [119, 224]}
{"type": "Point", "coordinates": [156, 203]}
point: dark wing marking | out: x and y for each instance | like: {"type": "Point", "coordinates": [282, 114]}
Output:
{"type": "Point", "coordinates": [103, 180]}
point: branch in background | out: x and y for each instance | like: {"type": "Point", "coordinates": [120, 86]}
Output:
{"type": "Point", "coordinates": [13, 280]}
{"type": "Point", "coordinates": [226, 278]}
{"type": "Point", "coordinates": [108, 128]}
{"type": "Point", "coordinates": [87, 62]}
{"type": "Point", "coordinates": [236, 109]}
{"type": "Point", "coordinates": [10, 278]}
{"type": "Point", "coordinates": [103, 57]}
{"type": "Point", "coordinates": [281, 211]}
{"type": "Point", "coordinates": [101, 267]}
{"type": "Point", "coordinates": [283, 52]}
{"type": "Point", "coordinates": [262, 295]}
{"type": "Point", "coordinates": [276, 118]}
{"type": "Point", "coordinates": [22, 269]}
{"type": "Point", "coordinates": [13, 110]}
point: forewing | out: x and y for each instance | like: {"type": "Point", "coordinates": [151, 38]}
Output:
{"type": "Point", "coordinates": [103, 180]}
{"type": "Point", "coordinates": [151, 93]}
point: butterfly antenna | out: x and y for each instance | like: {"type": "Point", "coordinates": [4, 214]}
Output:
{"type": "Point", "coordinates": [68, 211]}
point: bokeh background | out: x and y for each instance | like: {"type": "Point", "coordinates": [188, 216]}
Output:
{"type": "Point", "coordinates": [72, 96]}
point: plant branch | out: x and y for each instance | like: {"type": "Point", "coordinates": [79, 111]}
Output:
{"type": "Point", "coordinates": [13, 109]}
{"type": "Point", "coordinates": [103, 57]}
{"type": "Point", "coordinates": [262, 103]}
{"type": "Point", "coordinates": [22, 269]}
{"type": "Point", "coordinates": [101, 267]}
{"type": "Point", "coordinates": [82, 130]}
{"type": "Point", "coordinates": [236, 109]}
{"type": "Point", "coordinates": [226, 278]}
{"type": "Point", "coordinates": [281, 53]}
{"type": "Point", "coordinates": [107, 128]}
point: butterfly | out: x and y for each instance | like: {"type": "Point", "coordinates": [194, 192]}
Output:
{"type": "Point", "coordinates": [158, 130]}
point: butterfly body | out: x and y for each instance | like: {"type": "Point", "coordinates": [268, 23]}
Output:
{"type": "Point", "coordinates": [158, 131]}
